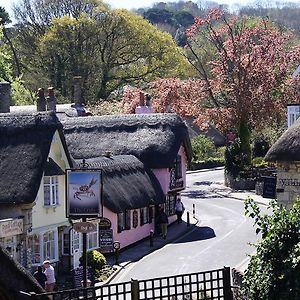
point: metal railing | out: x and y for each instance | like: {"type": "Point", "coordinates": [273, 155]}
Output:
{"type": "Point", "coordinates": [209, 285]}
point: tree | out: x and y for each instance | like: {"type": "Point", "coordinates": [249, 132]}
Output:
{"type": "Point", "coordinates": [126, 50]}
{"type": "Point", "coordinates": [244, 65]}
{"type": "Point", "coordinates": [273, 272]}
{"type": "Point", "coordinates": [4, 20]}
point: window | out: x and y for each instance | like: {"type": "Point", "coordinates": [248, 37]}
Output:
{"type": "Point", "coordinates": [34, 245]}
{"type": "Point", "coordinates": [170, 204]}
{"type": "Point", "coordinates": [49, 245]}
{"type": "Point", "coordinates": [50, 190]}
{"type": "Point", "coordinates": [75, 241]}
{"type": "Point", "coordinates": [92, 240]}
{"type": "Point", "coordinates": [178, 170]}
{"type": "Point", "coordinates": [43, 246]}
{"type": "Point", "coordinates": [144, 215]}
{"type": "Point", "coordinates": [124, 220]}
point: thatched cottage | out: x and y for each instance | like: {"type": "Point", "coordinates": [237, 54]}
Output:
{"type": "Point", "coordinates": [160, 144]}
{"type": "Point", "coordinates": [33, 156]}
{"type": "Point", "coordinates": [286, 153]}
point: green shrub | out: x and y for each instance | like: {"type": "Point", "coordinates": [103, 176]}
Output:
{"type": "Point", "coordinates": [259, 162]}
{"type": "Point", "coordinates": [234, 159]}
{"type": "Point", "coordinates": [96, 261]}
{"type": "Point", "coordinates": [203, 148]}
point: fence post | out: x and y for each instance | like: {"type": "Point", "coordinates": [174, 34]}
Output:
{"type": "Point", "coordinates": [227, 284]}
{"type": "Point", "coordinates": [194, 211]}
{"type": "Point", "coordinates": [187, 219]}
{"type": "Point", "coordinates": [135, 289]}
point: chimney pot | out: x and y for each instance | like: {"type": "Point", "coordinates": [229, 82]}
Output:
{"type": "Point", "coordinates": [5, 97]}
{"type": "Point", "coordinates": [41, 100]}
{"type": "Point", "coordinates": [51, 100]}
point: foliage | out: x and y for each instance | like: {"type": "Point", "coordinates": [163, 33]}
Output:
{"type": "Point", "coordinates": [244, 65]}
{"type": "Point", "coordinates": [203, 148]}
{"type": "Point", "coordinates": [20, 94]}
{"type": "Point", "coordinates": [96, 261]}
{"type": "Point", "coordinates": [234, 161]}
{"type": "Point", "coordinates": [273, 272]}
{"type": "Point", "coordinates": [245, 136]}
{"type": "Point", "coordinates": [105, 108]}
{"type": "Point", "coordinates": [259, 162]}
{"type": "Point", "coordinates": [58, 44]}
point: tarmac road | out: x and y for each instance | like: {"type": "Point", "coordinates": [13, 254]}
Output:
{"type": "Point", "coordinates": [220, 238]}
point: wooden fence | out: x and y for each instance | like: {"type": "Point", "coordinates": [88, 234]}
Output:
{"type": "Point", "coordinates": [209, 285]}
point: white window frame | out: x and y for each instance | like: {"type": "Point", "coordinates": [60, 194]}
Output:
{"type": "Point", "coordinates": [144, 211]}
{"type": "Point", "coordinates": [40, 251]}
{"type": "Point", "coordinates": [92, 240]}
{"type": "Point", "coordinates": [76, 241]}
{"type": "Point", "coordinates": [53, 186]}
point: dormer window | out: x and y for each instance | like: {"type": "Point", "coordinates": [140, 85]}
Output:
{"type": "Point", "coordinates": [51, 190]}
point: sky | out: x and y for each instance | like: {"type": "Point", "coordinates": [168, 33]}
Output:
{"type": "Point", "coordinates": [129, 4]}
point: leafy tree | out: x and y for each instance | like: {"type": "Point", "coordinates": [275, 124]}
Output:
{"type": "Point", "coordinates": [126, 49]}
{"type": "Point", "coordinates": [274, 271]}
{"type": "Point", "coordinates": [244, 70]}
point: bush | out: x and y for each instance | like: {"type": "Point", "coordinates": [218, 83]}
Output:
{"type": "Point", "coordinates": [259, 162]}
{"type": "Point", "coordinates": [204, 149]}
{"type": "Point", "coordinates": [96, 261]}
{"type": "Point", "coordinates": [274, 270]}
{"type": "Point", "coordinates": [234, 159]}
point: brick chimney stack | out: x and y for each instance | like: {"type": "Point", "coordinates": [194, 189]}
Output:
{"type": "Point", "coordinates": [5, 97]}
{"type": "Point", "coordinates": [78, 90]}
{"type": "Point", "coordinates": [41, 100]}
{"type": "Point", "coordinates": [144, 105]}
{"type": "Point", "coordinates": [51, 100]}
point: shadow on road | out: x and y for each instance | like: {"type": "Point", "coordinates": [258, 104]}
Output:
{"type": "Point", "coordinates": [200, 233]}
{"type": "Point", "coordinates": [200, 194]}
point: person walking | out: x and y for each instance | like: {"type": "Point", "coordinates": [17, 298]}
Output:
{"type": "Point", "coordinates": [179, 210]}
{"type": "Point", "coordinates": [163, 218]}
{"type": "Point", "coordinates": [50, 274]}
{"type": "Point", "coordinates": [40, 276]}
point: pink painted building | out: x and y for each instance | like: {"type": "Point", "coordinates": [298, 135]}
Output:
{"type": "Point", "coordinates": [161, 147]}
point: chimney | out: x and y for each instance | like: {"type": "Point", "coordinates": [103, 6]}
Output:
{"type": "Point", "coordinates": [77, 90]}
{"type": "Point", "coordinates": [5, 94]}
{"type": "Point", "coordinates": [51, 100]}
{"type": "Point", "coordinates": [41, 100]}
{"type": "Point", "coordinates": [108, 154]}
{"type": "Point", "coordinates": [144, 105]}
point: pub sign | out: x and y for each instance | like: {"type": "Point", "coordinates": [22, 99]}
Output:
{"type": "Point", "coordinates": [84, 193]}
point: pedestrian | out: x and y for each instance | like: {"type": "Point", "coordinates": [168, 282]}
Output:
{"type": "Point", "coordinates": [40, 276]}
{"type": "Point", "coordinates": [179, 210]}
{"type": "Point", "coordinates": [50, 274]}
{"type": "Point", "coordinates": [163, 219]}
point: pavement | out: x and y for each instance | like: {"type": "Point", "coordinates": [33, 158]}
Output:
{"type": "Point", "coordinates": [175, 231]}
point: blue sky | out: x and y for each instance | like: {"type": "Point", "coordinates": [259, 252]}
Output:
{"type": "Point", "coordinates": [129, 4]}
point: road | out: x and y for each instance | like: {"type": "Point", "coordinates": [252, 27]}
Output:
{"type": "Point", "coordinates": [221, 237]}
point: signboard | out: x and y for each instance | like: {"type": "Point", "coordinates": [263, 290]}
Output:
{"type": "Point", "coordinates": [269, 189]}
{"type": "Point", "coordinates": [77, 275]}
{"type": "Point", "coordinates": [11, 227]}
{"type": "Point", "coordinates": [106, 239]}
{"type": "Point", "coordinates": [104, 223]}
{"type": "Point", "coordinates": [85, 227]}
{"type": "Point", "coordinates": [84, 193]}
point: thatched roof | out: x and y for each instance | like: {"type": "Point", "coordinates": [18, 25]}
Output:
{"type": "Point", "coordinates": [127, 184]}
{"type": "Point", "coordinates": [153, 138]}
{"type": "Point", "coordinates": [211, 132]}
{"type": "Point", "coordinates": [15, 278]}
{"type": "Point", "coordinates": [24, 147]}
{"type": "Point", "coordinates": [287, 147]}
